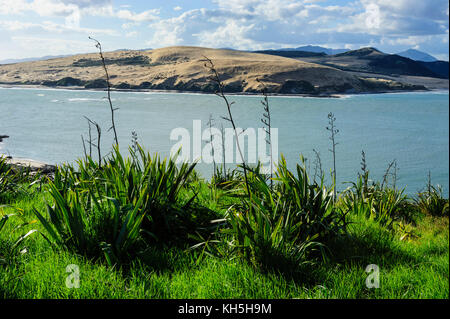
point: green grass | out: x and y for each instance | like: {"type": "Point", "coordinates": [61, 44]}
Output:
{"type": "Point", "coordinates": [146, 227]}
{"type": "Point", "coordinates": [417, 267]}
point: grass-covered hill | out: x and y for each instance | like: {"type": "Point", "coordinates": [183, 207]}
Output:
{"type": "Point", "coordinates": [182, 68]}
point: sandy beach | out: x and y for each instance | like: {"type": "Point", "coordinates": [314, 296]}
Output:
{"type": "Point", "coordinates": [33, 165]}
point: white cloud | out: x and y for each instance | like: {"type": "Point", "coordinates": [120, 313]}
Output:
{"type": "Point", "coordinates": [131, 34]}
{"type": "Point", "coordinates": [269, 10]}
{"type": "Point", "coordinates": [145, 16]}
{"type": "Point", "coordinates": [16, 25]}
{"type": "Point", "coordinates": [168, 32]}
{"type": "Point", "coordinates": [48, 8]}
{"type": "Point", "coordinates": [231, 34]}
{"type": "Point", "coordinates": [7, 7]}
{"type": "Point", "coordinates": [247, 24]}
{"type": "Point", "coordinates": [51, 46]}
{"type": "Point", "coordinates": [129, 25]}
{"type": "Point", "coordinates": [52, 28]}
{"type": "Point", "coordinates": [51, 7]}
{"type": "Point", "coordinates": [71, 10]}
{"type": "Point", "coordinates": [399, 18]}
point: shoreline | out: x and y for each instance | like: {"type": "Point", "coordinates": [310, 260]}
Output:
{"type": "Point", "coordinates": [81, 88]}
{"type": "Point", "coordinates": [32, 165]}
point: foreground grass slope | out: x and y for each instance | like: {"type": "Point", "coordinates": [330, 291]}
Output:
{"type": "Point", "coordinates": [412, 253]}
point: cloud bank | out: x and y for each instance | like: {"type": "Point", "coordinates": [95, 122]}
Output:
{"type": "Point", "coordinates": [389, 25]}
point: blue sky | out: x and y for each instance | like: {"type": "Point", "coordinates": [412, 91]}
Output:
{"type": "Point", "coordinates": [32, 28]}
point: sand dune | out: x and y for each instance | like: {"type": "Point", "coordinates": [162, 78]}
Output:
{"type": "Point", "coordinates": [182, 68]}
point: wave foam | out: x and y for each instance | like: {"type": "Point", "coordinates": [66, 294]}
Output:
{"type": "Point", "coordinates": [86, 99]}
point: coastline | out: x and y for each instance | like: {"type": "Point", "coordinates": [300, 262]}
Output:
{"type": "Point", "coordinates": [82, 88]}
{"type": "Point", "coordinates": [348, 104]}
{"type": "Point", "coordinates": [323, 95]}
{"type": "Point", "coordinates": [32, 165]}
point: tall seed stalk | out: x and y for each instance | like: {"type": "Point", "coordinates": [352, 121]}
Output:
{"type": "Point", "coordinates": [89, 140]}
{"type": "Point", "coordinates": [318, 171]}
{"type": "Point", "coordinates": [91, 143]}
{"type": "Point", "coordinates": [108, 85]}
{"type": "Point", "coordinates": [222, 132]}
{"type": "Point", "coordinates": [266, 120]}
{"type": "Point", "coordinates": [391, 165]}
{"type": "Point", "coordinates": [220, 93]}
{"type": "Point", "coordinates": [210, 123]}
{"type": "Point", "coordinates": [333, 133]}
{"type": "Point", "coordinates": [365, 172]}
{"type": "Point", "coordinates": [134, 141]}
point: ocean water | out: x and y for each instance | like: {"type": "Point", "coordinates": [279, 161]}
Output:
{"type": "Point", "coordinates": [412, 128]}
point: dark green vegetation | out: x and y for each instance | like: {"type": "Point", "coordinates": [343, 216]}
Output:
{"type": "Point", "coordinates": [135, 60]}
{"type": "Point", "coordinates": [144, 227]}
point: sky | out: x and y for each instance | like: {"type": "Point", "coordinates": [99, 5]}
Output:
{"type": "Point", "coordinates": [34, 28]}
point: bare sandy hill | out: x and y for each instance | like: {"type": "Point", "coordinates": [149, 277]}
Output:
{"type": "Point", "coordinates": [183, 68]}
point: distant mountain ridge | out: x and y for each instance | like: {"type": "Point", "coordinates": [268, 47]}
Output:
{"type": "Point", "coordinates": [47, 57]}
{"type": "Point", "coordinates": [371, 60]}
{"type": "Point", "coordinates": [291, 54]}
{"type": "Point", "coordinates": [417, 55]}
{"type": "Point", "coordinates": [380, 62]}
{"type": "Point", "coordinates": [315, 49]}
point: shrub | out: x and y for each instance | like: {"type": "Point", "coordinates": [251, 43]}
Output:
{"type": "Point", "coordinates": [86, 222]}
{"type": "Point", "coordinates": [376, 201]}
{"type": "Point", "coordinates": [431, 202]}
{"type": "Point", "coordinates": [312, 202]}
{"type": "Point", "coordinates": [282, 225]}
{"type": "Point", "coordinates": [226, 178]}
{"type": "Point", "coordinates": [124, 202]}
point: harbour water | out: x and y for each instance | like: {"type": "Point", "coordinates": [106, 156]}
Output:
{"type": "Point", "coordinates": [411, 128]}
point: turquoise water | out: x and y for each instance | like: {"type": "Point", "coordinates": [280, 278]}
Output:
{"type": "Point", "coordinates": [412, 128]}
